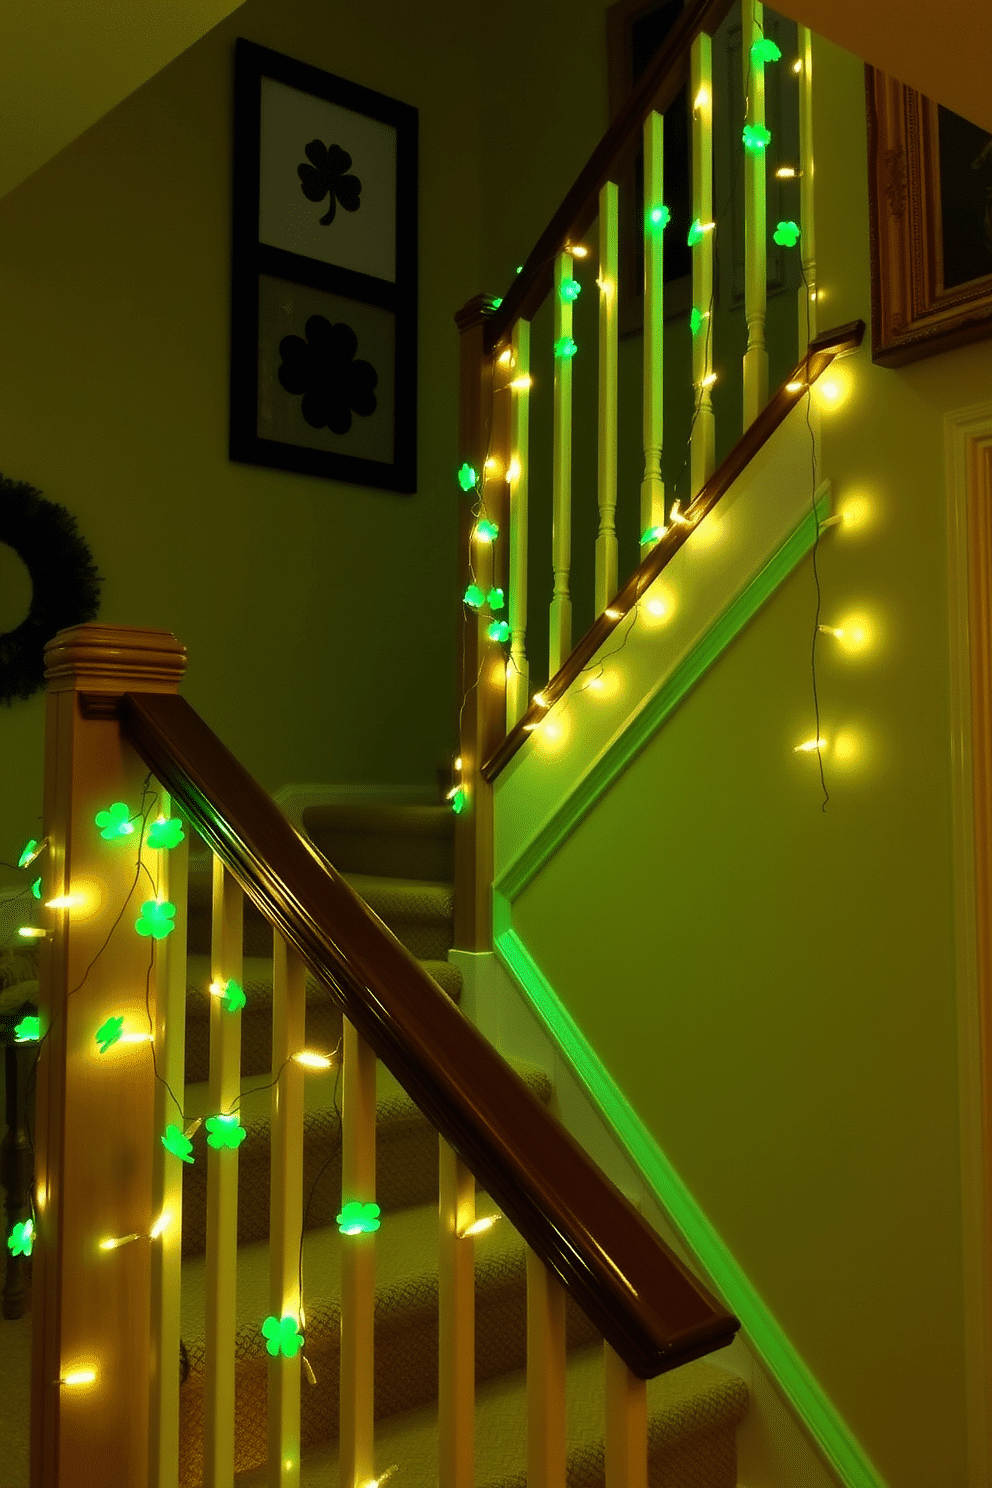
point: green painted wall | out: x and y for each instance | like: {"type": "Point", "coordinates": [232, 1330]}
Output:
{"type": "Point", "coordinates": [319, 616]}
{"type": "Point", "coordinates": [772, 985]}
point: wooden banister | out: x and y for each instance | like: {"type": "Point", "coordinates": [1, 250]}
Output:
{"type": "Point", "coordinates": [657, 89]}
{"type": "Point", "coordinates": [649, 1307]}
{"type": "Point", "coordinates": [822, 351]}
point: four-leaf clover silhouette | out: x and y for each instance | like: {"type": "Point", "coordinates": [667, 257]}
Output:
{"type": "Point", "coordinates": [323, 368]}
{"type": "Point", "coordinates": [224, 1131]}
{"type": "Point", "coordinates": [358, 1219]}
{"type": "Point", "coordinates": [786, 234]}
{"type": "Point", "coordinates": [165, 833]}
{"type": "Point", "coordinates": [756, 137]}
{"type": "Point", "coordinates": [21, 1239]}
{"type": "Point", "coordinates": [156, 919]}
{"type": "Point", "coordinates": [109, 1032]}
{"type": "Point", "coordinates": [283, 1336]}
{"type": "Point", "coordinates": [27, 1030]}
{"type": "Point", "coordinates": [114, 823]}
{"type": "Point", "coordinates": [326, 173]}
{"type": "Point", "coordinates": [176, 1142]}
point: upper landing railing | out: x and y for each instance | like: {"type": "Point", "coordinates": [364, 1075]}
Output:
{"type": "Point", "coordinates": [499, 709]}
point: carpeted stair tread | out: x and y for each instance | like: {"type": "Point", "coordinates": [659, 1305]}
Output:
{"type": "Point", "coordinates": [394, 841]}
{"type": "Point", "coordinates": [419, 912]}
{"type": "Point", "coordinates": [693, 1413]}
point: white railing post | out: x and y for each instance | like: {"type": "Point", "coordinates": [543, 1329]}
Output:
{"type": "Point", "coordinates": [807, 240]}
{"type": "Point", "coordinates": [227, 938]}
{"type": "Point", "coordinates": [456, 1322]}
{"type": "Point", "coordinates": [357, 1434]}
{"type": "Point", "coordinates": [609, 269]}
{"type": "Point", "coordinates": [560, 637]}
{"type": "Point", "coordinates": [703, 439]}
{"type": "Point", "coordinates": [518, 672]}
{"type": "Point", "coordinates": [626, 1424]}
{"type": "Point", "coordinates": [755, 221]}
{"type": "Point", "coordinates": [546, 1441]}
{"type": "Point", "coordinates": [652, 485]}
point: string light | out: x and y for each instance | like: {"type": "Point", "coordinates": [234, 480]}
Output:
{"type": "Point", "coordinates": [36, 889]}
{"type": "Point", "coordinates": [756, 137]}
{"type": "Point", "coordinates": [520, 383]}
{"type": "Point", "coordinates": [614, 614]}
{"type": "Point", "coordinates": [505, 358]}
{"type": "Point", "coordinates": [487, 531]}
{"type": "Point", "coordinates": [230, 993]}
{"type": "Point", "coordinates": [20, 1241]}
{"type": "Point", "coordinates": [32, 932]}
{"type": "Point", "coordinates": [282, 1337]}
{"type": "Point", "coordinates": [456, 796]}
{"type": "Point", "coordinates": [809, 746]}
{"type": "Point", "coordinates": [78, 1377]}
{"type": "Point", "coordinates": [28, 1031]}
{"type": "Point", "coordinates": [696, 231]}
{"type": "Point", "coordinates": [565, 347]}
{"type": "Point", "coordinates": [702, 99]}
{"type": "Point", "coordinates": [31, 850]}
{"type": "Point", "coordinates": [607, 286]}
{"type": "Point", "coordinates": [178, 1143]}
{"type": "Point", "coordinates": [114, 823]}
{"type": "Point", "coordinates": [659, 217]}
{"type": "Point", "coordinates": [109, 1032]}
{"type": "Point", "coordinates": [496, 599]}
{"type": "Point", "coordinates": [795, 387]}
{"type": "Point", "coordinates": [540, 701]}
{"type": "Point", "coordinates": [786, 234]}
{"type": "Point", "coordinates": [788, 173]}
{"type": "Point", "coordinates": [797, 66]}
{"type": "Point", "coordinates": [513, 471]}
{"type": "Point", "coordinates": [577, 250]}
{"type": "Point", "coordinates": [474, 597]}
{"type": "Point", "coordinates": [467, 477]}
{"type": "Point", "coordinates": [165, 833]}
{"type": "Point", "coordinates": [480, 1226]}
{"type": "Point", "coordinates": [708, 380]}
{"type": "Point", "coordinates": [570, 289]}
{"type": "Point", "coordinates": [653, 534]}
{"type": "Point", "coordinates": [312, 1060]}
{"type": "Point", "coordinates": [120, 1240]}
{"type": "Point", "coordinates": [377, 1482]}
{"type": "Point", "coordinates": [224, 1131]}
{"type": "Point", "coordinates": [357, 1218]}
{"type": "Point", "coordinates": [64, 901]}
{"type": "Point", "coordinates": [696, 318]}
{"type": "Point", "coordinates": [156, 918]}
{"type": "Point", "coordinates": [679, 517]}
{"type": "Point", "coordinates": [764, 50]}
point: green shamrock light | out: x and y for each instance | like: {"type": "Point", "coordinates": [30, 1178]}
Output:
{"type": "Point", "coordinates": [496, 599]}
{"type": "Point", "coordinates": [695, 321]}
{"type": "Point", "coordinates": [109, 1033]}
{"type": "Point", "coordinates": [283, 1337]}
{"type": "Point", "coordinates": [21, 1239]}
{"type": "Point", "coordinates": [653, 534]}
{"type": "Point", "coordinates": [165, 833]}
{"type": "Point", "coordinates": [177, 1143]}
{"type": "Point", "coordinates": [764, 50]}
{"type": "Point", "coordinates": [659, 217]}
{"type": "Point", "coordinates": [695, 233]}
{"type": "Point", "coordinates": [570, 289]}
{"type": "Point", "coordinates": [786, 234]}
{"type": "Point", "coordinates": [756, 137]}
{"type": "Point", "coordinates": [27, 1031]}
{"type": "Point", "coordinates": [156, 919]}
{"type": "Point", "coordinates": [233, 997]}
{"type": "Point", "coordinates": [225, 1131]}
{"type": "Point", "coordinates": [499, 631]}
{"type": "Point", "coordinates": [497, 302]}
{"type": "Point", "coordinates": [474, 597]}
{"type": "Point", "coordinates": [467, 477]}
{"type": "Point", "coordinates": [28, 854]}
{"type": "Point", "coordinates": [565, 347]}
{"type": "Point", "coordinates": [458, 800]}
{"type": "Point", "coordinates": [114, 823]}
{"type": "Point", "coordinates": [487, 531]}
{"type": "Point", "coordinates": [36, 888]}
{"type": "Point", "coordinates": [358, 1219]}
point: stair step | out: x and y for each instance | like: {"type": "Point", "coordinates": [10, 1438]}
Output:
{"type": "Point", "coordinates": [406, 1155]}
{"type": "Point", "coordinates": [420, 913]}
{"type": "Point", "coordinates": [693, 1414]}
{"type": "Point", "coordinates": [406, 1328]}
{"type": "Point", "coordinates": [323, 1020]}
{"type": "Point", "coordinates": [391, 841]}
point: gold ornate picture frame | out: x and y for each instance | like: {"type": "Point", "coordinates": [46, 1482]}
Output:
{"type": "Point", "coordinates": [930, 210]}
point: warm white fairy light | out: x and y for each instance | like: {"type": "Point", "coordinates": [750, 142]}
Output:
{"type": "Point", "coordinates": [794, 387]}
{"type": "Point", "coordinates": [136, 1038]}
{"type": "Point", "coordinates": [797, 66]}
{"type": "Point", "coordinates": [809, 746]}
{"type": "Point", "coordinates": [78, 1377]}
{"type": "Point", "coordinates": [614, 614]}
{"type": "Point", "coordinates": [540, 701]}
{"type": "Point", "coordinates": [63, 901]}
{"type": "Point", "coordinates": [480, 1226]}
{"type": "Point", "coordinates": [32, 932]}
{"type": "Point", "coordinates": [607, 286]}
{"type": "Point", "coordinates": [788, 173]}
{"type": "Point", "coordinates": [311, 1060]}
{"type": "Point", "coordinates": [519, 384]}
{"type": "Point", "coordinates": [709, 380]}
{"type": "Point", "coordinates": [513, 471]}
{"type": "Point", "coordinates": [577, 250]}
{"type": "Point", "coordinates": [505, 358]}
{"type": "Point", "coordinates": [118, 1242]}
{"type": "Point", "coordinates": [702, 99]}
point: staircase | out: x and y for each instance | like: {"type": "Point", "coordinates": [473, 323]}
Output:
{"type": "Point", "coordinates": [400, 860]}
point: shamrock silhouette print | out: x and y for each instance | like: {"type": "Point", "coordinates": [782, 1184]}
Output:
{"type": "Point", "coordinates": [324, 370]}
{"type": "Point", "coordinates": [326, 173]}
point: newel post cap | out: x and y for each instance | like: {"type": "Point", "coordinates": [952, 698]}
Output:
{"type": "Point", "coordinates": [114, 658]}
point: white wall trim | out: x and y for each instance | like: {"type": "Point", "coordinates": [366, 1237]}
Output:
{"type": "Point", "coordinates": [965, 431]}
{"type": "Point", "coordinates": [293, 799]}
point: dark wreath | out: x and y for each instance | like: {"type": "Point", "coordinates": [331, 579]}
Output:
{"type": "Point", "coordinates": [65, 586]}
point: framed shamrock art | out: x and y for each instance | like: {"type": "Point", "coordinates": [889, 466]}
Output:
{"type": "Point", "coordinates": [324, 275]}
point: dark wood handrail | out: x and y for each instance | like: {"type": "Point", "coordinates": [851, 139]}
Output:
{"type": "Point", "coordinates": [640, 1296]}
{"type": "Point", "coordinates": [822, 351]}
{"type": "Point", "coordinates": [656, 89]}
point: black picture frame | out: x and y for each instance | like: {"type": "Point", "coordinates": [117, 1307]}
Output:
{"type": "Point", "coordinates": [285, 263]}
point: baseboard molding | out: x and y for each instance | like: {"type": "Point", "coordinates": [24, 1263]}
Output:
{"type": "Point", "coordinates": [293, 799]}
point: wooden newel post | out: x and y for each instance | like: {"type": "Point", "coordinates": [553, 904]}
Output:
{"type": "Point", "coordinates": [95, 1111]}
{"type": "Point", "coordinates": [484, 434]}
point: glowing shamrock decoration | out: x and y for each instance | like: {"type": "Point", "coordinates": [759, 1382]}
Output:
{"type": "Point", "coordinates": [565, 347]}
{"type": "Point", "coordinates": [474, 597]}
{"type": "Point", "coordinates": [496, 599]}
{"type": "Point", "coordinates": [695, 321]}
{"type": "Point", "coordinates": [28, 854]}
{"type": "Point", "coordinates": [156, 919]}
{"type": "Point", "coordinates": [659, 217]}
{"type": "Point", "coordinates": [114, 823]}
{"type": "Point", "coordinates": [36, 888]}
{"type": "Point", "coordinates": [497, 302]}
{"type": "Point", "coordinates": [653, 534]}
{"type": "Point", "coordinates": [756, 137]}
{"type": "Point", "coordinates": [358, 1219]}
{"type": "Point", "coordinates": [458, 800]}
{"type": "Point", "coordinates": [27, 1031]}
{"type": "Point", "coordinates": [21, 1239]}
{"type": "Point", "coordinates": [165, 833]}
{"type": "Point", "coordinates": [467, 477]}
{"type": "Point", "coordinates": [233, 997]}
{"type": "Point", "coordinates": [487, 531]}
{"type": "Point", "coordinates": [570, 289]}
{"type": "Point", "coordinates": [764, 50]}
{"type": "Point", "coordinates": [695, 233]}
{"type": "Point", "coordinates": [786, 234]}
{"type": "Point", "coordinates": [283, 1337]}
{"type": "Point", "coordinates": [499, 631]}
{"type": "Point", "coordinates": [225, 1131]}
{"type": "Point", "coordinates": [109, 1033]}
{"type": "Point", "coordinates": [176, 1142]}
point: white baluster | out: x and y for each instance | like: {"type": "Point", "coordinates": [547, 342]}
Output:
{"type": "Point", "coordinates": [807, 240]}
{"type": "Point", "coordinates": [518, 673]}
{"type": "Point", "coordinates": [703, 440]}
{"type": "Point", "coordinates": [357, 1443]}
{"type": "Point", "coordinates": [456, 1322]}
{"type": "Point", "coordinates": [652, 485]}
{"type": "Point", "coordinates": [560, 639]}
{"type": "Point", "coordinates": [755, 222]}
{"type": "Point", "coordinates": [546, 1442]}
{"type": "Point", "coordinates": [609, 268]}
{"type": "Point", "coordinates": [626, 1424]}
